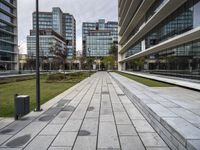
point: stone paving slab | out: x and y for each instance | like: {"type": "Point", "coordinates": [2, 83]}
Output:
{"type": "Point", "coordinates": [108, 137]}
{"type": "Point", "coordinates": [72, 126]}
{"type": "Point", "coordinates": [51, 130]}
{"type": "Point", "coordinates": [192, 84]}
{"type": "Point", "coordinates": [152, 139]}
{"type": "Point", "coordinates": [5, 121]}
{"type": "Point", "coordinates": [131, 143]}
{"type": "Point", "coordinates": [25, 135]}
{"type": "Point", "coordinates": [173, 113]}
{"type": "Point", "coordinates": [85, 143]}
{"type": "Point", "coordinates": [60, 148]}
{"type": "Point", "coordinates": [65, 139]}
{"type": "Point", "coordinates": [93, 115]}
{"type": "Point", "coordinates": [40, 142]}
{"type": "Point", "coordinates": [126, 130]}
{"type": "Point", "coordinates": [181, 129]}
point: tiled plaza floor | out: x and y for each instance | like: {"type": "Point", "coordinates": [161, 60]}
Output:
{"type": "Point", "coordinates": [94, 114]}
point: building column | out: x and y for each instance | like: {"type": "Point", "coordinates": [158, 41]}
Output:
{"type": "Point", "coordinates": [121, 66]}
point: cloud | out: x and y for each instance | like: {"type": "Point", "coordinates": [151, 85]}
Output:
{"type": "Point", "coordinates": [83, 11]}
{"type": "Point", "coordinates": [22, 47]}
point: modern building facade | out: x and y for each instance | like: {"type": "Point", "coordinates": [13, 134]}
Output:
{"type": "Point", "coordinates": [48, 39]}
{"type": "Point", "coordinates": [8, 35]}
{"type": "Point", "coordinates": [63, 24]}
{"type": "Point", "coordinates": [98, 37]}
{"type": "Point", "coordinates": [160, 36]}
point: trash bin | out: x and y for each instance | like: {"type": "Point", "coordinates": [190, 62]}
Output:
{"type": "Point", "coordinates": [21, 105]}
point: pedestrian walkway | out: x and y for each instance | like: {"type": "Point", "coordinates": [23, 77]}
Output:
{"type": "Point", "coordinates": [187, 83]}
{"type": "Point", "coordinates": [174, 112]}
{"type": "Point", "coordinates": [93, 115]}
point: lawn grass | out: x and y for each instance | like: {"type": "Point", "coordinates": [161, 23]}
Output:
{"type": "Point", "coordinates": [27, 87]}
{"type": "Point", "coordinates": [145, 81]}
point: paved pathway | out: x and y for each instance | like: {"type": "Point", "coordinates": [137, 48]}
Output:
{"type": "Point", "coordinates": [188, 83]}
{"type": "Point", "coordinates": [95, 114]}
{"type": "Point", "coordinates": [174, 112]}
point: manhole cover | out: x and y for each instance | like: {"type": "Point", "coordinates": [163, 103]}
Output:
{"type": "Point", "coordinates": [6, 131]}
{"type": "Point", "coordinates": [68, 108]}
{"type": "Point", "coordinates": [90, 109]}
{"type": "Point", "coordinates": [83, 133]}
{"type": "Point", "coordinates": [20, 141]}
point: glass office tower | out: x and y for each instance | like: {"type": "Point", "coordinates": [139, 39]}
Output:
{"type": "Point", "coordinates": [98, 43]}
{"type": "Point", "coordinates": [97, 37]}
{"type": "Point", "coordinates": [48, 37]}
{"type": "Point", "coordinates": [62, 23]}
{"type": "Point", "coordinates": [161, 37]}
{"type": "Point", "coordinates": [69, 33]}
{"type": "Point", "coordinates": [8, 35]}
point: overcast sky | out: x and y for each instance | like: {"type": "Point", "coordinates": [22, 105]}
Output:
{"type": "Point", "coordinates": [83, 10]}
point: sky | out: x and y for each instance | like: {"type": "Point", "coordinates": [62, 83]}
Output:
{"type": "Point", "coordinates": [83, 11]}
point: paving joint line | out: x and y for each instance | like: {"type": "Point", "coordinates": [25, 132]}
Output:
{"type": "Point", "coordinates": [89, 79]}
{"type": "Point", "coordinates": [85, 113]}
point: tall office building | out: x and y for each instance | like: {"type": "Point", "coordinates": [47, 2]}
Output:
{"type": "Point", "coordinates": [48, 38]}
{"type": "Point", "coordinates": [63, 24]}
{"type": "Point", "coordinates": [8, 35]}
{"type": "Point", "coordinates": [160, 36]}
{"type": "Point", "coordinates": [98, 37]}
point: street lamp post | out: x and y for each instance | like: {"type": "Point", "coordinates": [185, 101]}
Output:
{"type": "Point", "coordinates": [90, 60]}
{"type": "Point", "coordinates": [37, 60]}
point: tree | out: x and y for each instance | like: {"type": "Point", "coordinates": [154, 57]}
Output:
{"type": "Point", "coordinates": [82, 61]}
{"type": "Point", "coordinates": [31, 62]}
{"type": "Point", "coordinates": [113, 51]}
{"type": "Point", "coordinates": [90, 62]}
{"type": "Point", "coordinates": [60, 53]}
{"type": "Point", "coordinates": [109, 62]}
{"type": "Point", "coordinates": [139, 63]}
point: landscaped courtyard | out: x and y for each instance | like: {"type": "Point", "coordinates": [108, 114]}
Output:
{"type": "Point", "coordinates": [104, 111]}
{"type": "Point", "coordinates": [51, 86]}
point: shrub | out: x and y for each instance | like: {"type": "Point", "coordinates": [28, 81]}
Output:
{"type": "Point", "coordinates": [56, 77]}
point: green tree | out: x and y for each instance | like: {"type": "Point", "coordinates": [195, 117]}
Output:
{"type": "Point", "coordinates": [60, 53]}
{"type": "Point", "coordinates": [114, 51]}
{"type": "Point", "coordinates": [31, 62]}
{"type": "Point", "coordinates": [109, 62]}
{"type": "Point", "coordinates": [139, 63]}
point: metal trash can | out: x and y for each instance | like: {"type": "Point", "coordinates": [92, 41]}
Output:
{"type": "Point", "coordinates": [21, 105]}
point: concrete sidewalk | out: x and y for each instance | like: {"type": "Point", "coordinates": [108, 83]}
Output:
{"type": "Point", "coordinates": [94, 114]}
{"type": "Point", "coordinates": [187, 83]}
{"type": "Point", "coordinates": [173, 112]}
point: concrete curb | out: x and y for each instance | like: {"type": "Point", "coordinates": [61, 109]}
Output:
{"type": "Point", "coordinates": [175, 131]}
